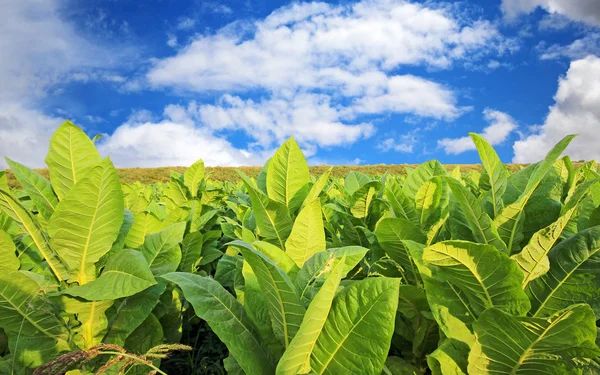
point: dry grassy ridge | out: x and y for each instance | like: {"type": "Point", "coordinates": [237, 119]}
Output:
{"type": "Point", "coordinates": [152, 175]}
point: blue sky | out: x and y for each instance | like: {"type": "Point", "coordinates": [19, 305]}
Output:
{"type": "Point", "coordinates": [355, 82]}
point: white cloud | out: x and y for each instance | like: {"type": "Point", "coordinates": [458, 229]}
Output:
{"type": "Point", "coordinates": [173, 140]}
{"type": "Point", "coordinates": [40, 51]}
{"type": "Point", "coordinates": [576, 111]}
{"type": "Point", "coordinates": [308, 117]}
{"type": "Point", "coordinates": [318, 67]}
{"type": "Point", "coordinates": [587, 11]}
{"type": "Point", "coordinates": [186, 23]}
{"type": "Point", "coordinates": [501, 126]}
{"type": "Point", "coordinates": [580, 48]}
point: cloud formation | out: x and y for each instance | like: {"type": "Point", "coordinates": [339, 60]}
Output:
{"type": "Point", "coordinates": [501, 126]}
{"type": "Point", "coordinates": [575, 111]}
{"type": "Point", "coordinates": [587, 11]}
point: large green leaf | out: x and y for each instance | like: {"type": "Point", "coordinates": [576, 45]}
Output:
{"type": "Point", "coordinates": [488, 277]}
{"type": "Point", "coordinates": [191, 251]}
{"type": "Point", "coordinates": [144, 223]}
{"type": "Point", "coordinates": [278, 256]}
{"type": "Point", "coordinates": [317, 187]}
{"type": "Point", "coordinates": [421, 174]}
{"type": "Point", "coordinates": [131, 312]}
{"type": "Point", "coordinates": [450, 357]}
{"type": "Point", "coordinates": [354, 181]}
{"type": "Point", "coordinates": [296, 359]}
{"type": "Point", "coordinates": [272, 217]}
{"type": "Point", "coordinates": [71, 156]}
{"type": "Point", "coordinates": [285, 310]}
{"type": "Point", "coordinates": [35, 333]}
{"type": "Point", "coordinates": [8, 257]}
{"type": "Point", "coordinates": [15, 210]}
{"type": "Point", "coordinates": [510, 220]}
{"type": "Point", "coordinates": [402, 206]}
{"type": "Point", "coordinates": [36, 186]}
{"type": "Point", "coordinates": [308, 234]}
{"type": "Point", "coordinates": [533, 259]}
{"type": "Point", "coordinates": [356, 336]}
{"type": "Point", "coordinates": [87, 221]}
{"type": "Point", "coordinates": [313, 273]}
{"type": "Point", "coordinates": [430, 201]}
{"type": "Point", "coordinates": [161, 249]}
{"type": "Point", "coordinates": [390, 233]}
{"type": "Point", "coordinates": [125, 274]}
{"type": "Point", "coordinates": [513, 345]}
{"type": "Point", "coordinates": [481, 225]}
{"type": "Point", "coordinates": [193, 176]}
{"type": "Point", "coordinates": [496, 172]}
{"type": "Point", "coordinates": [288, 176]}
{"type": "Point", "coordinates": [449, 305]}
{"type": "Point", "coordinates": [574, 275]}
{"type": "Point", "coordinates": [227, 318]}
{"type": "Point", "coordinates": [92, 319]}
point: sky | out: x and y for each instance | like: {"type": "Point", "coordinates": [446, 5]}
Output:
{"type": "Point", "coordinates": [169, 82]}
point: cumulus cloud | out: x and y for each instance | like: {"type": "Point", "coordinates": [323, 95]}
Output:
{"type": "Point", "coordinates": [578, 49]}
{"type": "Point", "coordinates": [575, 111]}
{"type": "Point", "coordinates": [587, 11]}
{"type": "Point", "coordinates": [175, 139]}
{"type": "Point", "coordinates": [501, 126]}
{"type": "Point", "coordinates": [40, 50]}
{"type": "Point", "coordinates": [319, 67]}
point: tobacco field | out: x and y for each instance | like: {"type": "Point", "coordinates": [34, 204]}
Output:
{"type": "Point", "coordinates": [428, 272]}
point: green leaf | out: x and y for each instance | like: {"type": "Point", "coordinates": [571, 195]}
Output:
{"type": "Point", "coordinates": [71, 156]}
{"type": "Point", "coordinates": [430, 198]}
{"type": "Point", "coordinates": [480, 223]}
{"type": "Point", "coordinates": [125, 274]}
{"type": "Point", "coordinates": [308, 234]}
{"type": "Point", "coordinates": [421, 174]}
{"type": "Point", "coordinates": [15, 210]}
{"type": "Point", "coordinates": [521, 345]}
{"type": "Point", "coordinates": [272, 217]}
{"type": "Point", "coordinates": [314, 272]}
{"type": "Point", "coordinates": [497, 173]}
{"type": "Point", "coordinates": [354, 181]}
{"type": "Point", "coordinates": [92, 316]}
{"type": "Point", "coordinates": [283, 304]}
{"type": "Point", "coordinates": [288, 175]}
{"type": "Point", "coordinates": [131, 312]}
{"type": "Point", "coordinates": [402, 206]}
{"type": "Point", "coordinates": [36, 186]}
{"type": "Point", "coordinates": [574, 275]}
{"type": "Point", "coordinates": [161, 250]}
{"type": "Point", "coordinates": [449, 305]}
{"type": "Point", "coordinates": [488, 277]}
{"type": "Point", "coordinates": [8, 257]}
{"type": "Point", "coordinates": [317, 187]}
{"type": "Point", "coordinates": [390, 233]}
{"type": "Point", "coordinates": [510, 220]}
{"type": "Point", "coordinates": [144, 223]}
{"type": "Point", "coordinates": [357, 333]}
{"type": "Point", "coordinates": [296, 359]}
{"type": "Point", "coordinates": [449, 358]}
{"type": "Point", "coordinates": [227, 318]}
{"type": "Point", "coordinates": [191, 251]}
{"type": "Point", "coordinates": [361, 199]}
{"type": "Point", "coordinates": [36, 335]}
{"type": "Point", "coordinates": [193, 177]}
{"type": "Point", "coordinates": [87, 221]}
{"type": "Point", "coordinates": [278, 256]}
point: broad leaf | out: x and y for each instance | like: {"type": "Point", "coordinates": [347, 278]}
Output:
{"type": "Point", "coordinates": [125, 274]}
{"type": "Point", "coordinates": [193, 177]}
{"type": "Point", "coordinates": [36, 186]}
{"type": "Point", "coordinates": [521, 345]}
{"type": "Point", "coordinates": [488, 277]}
{"type": "Point", "coordinates": [349, 341]}
{"type": "Point", "coordinates": [71, 156]}
{"type": "Point", "coordinates": [288, 176]}
{"type": "Point", "coordinates": [296, 359]}
{"type": "Point", "coordinates": [227, 318]}
{"type": "Point", "coordinates": [496, 172]}
{"type": "Point", "coordinates": [8, 257]}
{"type": "Point", "coordinates": [15, 210]}
{"type": "Point", "coordinates": [402, 206]}
{"type": "Point", "coordinates": [87, 221]}
{"type": "Point", "coordinates": [91, 316]}
{"type": "Point", "coordinates": [308, 234]}
{"type": "Point", "coordinates": [161, 249]}
{"type": "Point", "coordinates": [574, 275]}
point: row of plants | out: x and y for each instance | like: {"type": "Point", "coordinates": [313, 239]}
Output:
{"type": "Point", "coordinates": [432, 271]}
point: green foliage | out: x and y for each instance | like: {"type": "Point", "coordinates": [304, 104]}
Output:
{"type": "Point", "coordinates": [271, 270]}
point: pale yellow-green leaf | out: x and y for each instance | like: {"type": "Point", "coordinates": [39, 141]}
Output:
{"type": "Point", "coordinates": [193, 176]}
{"type": "Point", "coordinates": [308, 234]}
